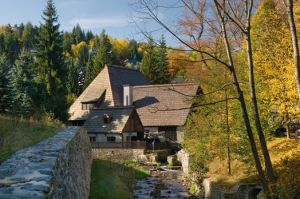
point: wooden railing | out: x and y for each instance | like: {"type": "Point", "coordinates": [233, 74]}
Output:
{"type": "Point", "coordinates": [122, 145]}
{"type": "Point", "coordinates": [157, 146]}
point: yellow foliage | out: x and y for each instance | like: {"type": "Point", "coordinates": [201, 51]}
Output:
{"type": "Point", "coordinates": [75, 48]}
{"type": "Point", "coordinates": [119, 45]}
{"type": "Point", "coordinates": [273, 59]}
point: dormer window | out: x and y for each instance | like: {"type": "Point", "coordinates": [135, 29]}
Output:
{"type": "Point", "coordinates": [88, 106]}
{"type": "Point", "coordinates": [106, 119]}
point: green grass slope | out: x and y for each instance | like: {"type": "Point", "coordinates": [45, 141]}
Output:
{"type": "Point", "coordinates": [16, 134]}
{"type": "Point", "coordinates": [111, 180]}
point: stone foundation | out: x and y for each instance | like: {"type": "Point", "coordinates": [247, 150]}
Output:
{"type": "Point", "coordinates": [58, 168]}
{"type": "Point", "coordinates": [117, 154]}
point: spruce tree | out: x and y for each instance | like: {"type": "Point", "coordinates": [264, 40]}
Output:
{"type": "Point", "coordinates": [162, 73]}
{"type": "Point", "coordinates": [75, 79]}
{"type": "Point", "coordinates": [78, 35]}
{"type": "Point", "coordinates": [154, 64]}
{"type": "Point", "coordinates": [133, 54]}
{"type": "Point", "coordinates": [149, 60]}
{"type": "Point", "coordinates": [89, 35]}
{"type": "Point", "coordinates": [28, 36]}
{"type": "Point", "coordinates": [21, 84]}
{"type": "Point", "coordinates": [5, 101]}
{"type": "Point", "coordinates": [100, 55]}
{"type": "Point", "coordinates": [103, 53]}
{"type": "Point", "coordinates": [51, 71]}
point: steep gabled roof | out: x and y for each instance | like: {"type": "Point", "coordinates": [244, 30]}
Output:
{"type": "Point", "coordinates": [164, 104]}
{"type": "Point", "coordinates": [120, 116]}
{"type": "Point", "coordinates": [120, 76]}
{"type": "Point", "coordinates": [109, 82]}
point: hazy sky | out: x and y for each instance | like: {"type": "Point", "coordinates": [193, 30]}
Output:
{"type": "Point", "coordinates": [115, 16]}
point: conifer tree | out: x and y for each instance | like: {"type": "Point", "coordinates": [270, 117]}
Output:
{"type": "Point", "coordinates": [154, 64]}
{"type": "Point", "coordinates": [89, 35]}
{"type": "Point", "coordinates": [133, 55]}
{"type": "Point", "coordinates": [21, 83]}
{"type": "Point", "coordinates": [28, 36]}
{"type": "Point", "coordinates": [4, 85]}
{"type": "Point", "coordinates": [149, 61]}
{"type": "Point", "coordinates": [51, 71]}
{"type": "Point", "coordinates": [103, 53]}
{"type": "Point", "coordinates": [163, 75]}
{"type": "Point", "coordinates": [100, 55]}
{"type": "Point", "coordinates": [78, 35]}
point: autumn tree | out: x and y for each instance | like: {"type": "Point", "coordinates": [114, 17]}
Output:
{"type": "Point", "coordinates": [194, 40]}
{"type": "Point", "coordinates": [240, 15]}
{"type": "Point", "coordinates": [293, 31]}
{"type": "Point", "coordinates": [277, 87]}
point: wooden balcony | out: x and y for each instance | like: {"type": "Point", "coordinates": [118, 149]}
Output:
{"type": "Point", "coordinates": [121, 145]}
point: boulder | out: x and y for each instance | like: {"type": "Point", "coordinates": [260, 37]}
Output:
{"type": "Point", "coordinates": [172, 160]}
{"type": "Point", "coordinates": [142, 159]}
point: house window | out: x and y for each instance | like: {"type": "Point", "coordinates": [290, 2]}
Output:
{"type": "Point", "coordinates": [78, 123]}
{"type": "Point", "coordinates": [111, 138]}
{"type": "Point", "coordinates": [170, 132]}
{"type": "Point", "coordinates": [92, 138]}
{"type": "Point", "coordinates": [87, 106]}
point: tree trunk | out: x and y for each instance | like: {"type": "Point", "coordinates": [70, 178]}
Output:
{"type": "Point", "coordinates": [263, 144]}
{"type": "Point", "coordinates": [243, 106]}
{"type": "Point", "coordinates": [290, 11]}
{"type": "Point", "coordinates": [228, 135]}
{"type": "Point", "coordinates": [250, 134]}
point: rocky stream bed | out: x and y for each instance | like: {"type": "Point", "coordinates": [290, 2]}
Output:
{"type": "Point", "coordinates": [162, 183]}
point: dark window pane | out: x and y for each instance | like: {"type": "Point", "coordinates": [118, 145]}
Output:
{"type": "Point", "coordinates": [111, 138]}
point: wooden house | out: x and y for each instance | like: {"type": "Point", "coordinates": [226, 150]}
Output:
{"type": "Point", "coordinates": [119, 92]}
{"type": "Point", "coordinates": [164, 108]}
{"type": "Point", "coordinates": [115, 127]}
{"type": "Point", "coordinates": [106, 90]}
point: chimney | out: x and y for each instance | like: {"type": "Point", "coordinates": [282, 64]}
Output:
{"type": "Point", "coordinates": [127, 95]}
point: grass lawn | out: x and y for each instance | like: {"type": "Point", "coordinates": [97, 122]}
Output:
{"type": "Point", "coordinates": [17, 134]}
{"type": "Point", "coordinates": [110, 180]}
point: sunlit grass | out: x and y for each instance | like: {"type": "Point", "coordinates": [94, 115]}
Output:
{"type": "Point", "coordinates": [16, 134]}
{"type": "Point", "coordinates": [110, 180]}
{"type": "Point", "coordinates": [285, 156]}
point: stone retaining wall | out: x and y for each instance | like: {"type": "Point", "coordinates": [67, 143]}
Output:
{"type": "Point", "coordinates": [117, 154]}
{"type": "Point", "coordinates": [56, 168]}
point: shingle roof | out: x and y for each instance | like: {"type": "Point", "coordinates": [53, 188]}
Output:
{"type": "Point", "coordinates": [120, 116]}
{"type": "Point", "coordinates": [120, 76]}
{"type": "Point", "coordinates": [93, 96]}
{"type": "Point", "coordinates": [111, 80]}
{"type": "Point", "coordinates": [165, 104]}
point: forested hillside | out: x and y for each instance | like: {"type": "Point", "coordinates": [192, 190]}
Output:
{"type": "Point", "coordinates": [42, 69]}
